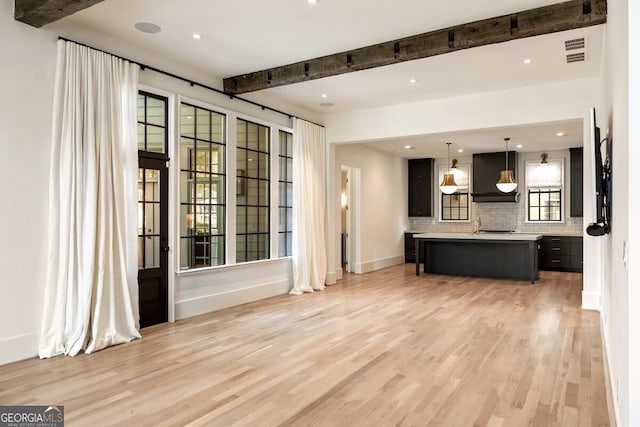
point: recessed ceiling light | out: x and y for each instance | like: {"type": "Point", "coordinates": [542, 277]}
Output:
{"type": "Point", "coordinates": [460, 150]}
{"type": "Point", "coordinates": [197, 36]}
{"type": "Point", "coordinates": [527, 61]}
{"type": "Point", "coordinates": [519, 146]}
{"type": "Point", "coordinates": [560, 134]}
{"type": "Point", "coordinates": [412, 81]}
{"type": "Point", "coordinates": [312, 1]}
{"type": "Point", "coordinates": [324, 95]}
{"type": "Point", "coordinates": [408, 147]}
{"type": "Point", "coordinates": [147, 27]}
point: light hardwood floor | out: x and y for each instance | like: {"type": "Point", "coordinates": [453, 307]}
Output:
{"type": "Point", "coordinates": [382, 349]}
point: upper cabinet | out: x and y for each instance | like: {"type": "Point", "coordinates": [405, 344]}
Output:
{"type": "Point", "coordinates": [486, 173]}
{"type": "Point", "coordinates": [420, 187]}
{"type": "Point", "coordinates": [576, 181]}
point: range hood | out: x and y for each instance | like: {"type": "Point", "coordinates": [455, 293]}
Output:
{"type": "Point", "coordinates": [497, 197]}
{"type": "Point", "coordinates": [486, 172]}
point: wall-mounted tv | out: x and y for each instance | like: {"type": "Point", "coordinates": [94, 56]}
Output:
{"type": "Point", "coordinates": [601, 180]}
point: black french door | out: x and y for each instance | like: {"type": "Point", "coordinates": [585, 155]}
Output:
{"type": "Point", "coordinates": [153, 248]}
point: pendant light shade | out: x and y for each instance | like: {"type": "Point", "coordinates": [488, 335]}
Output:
{"type": "Point", "coordinates": [507, 183]}
{"type": "Point", "coordinates": [448, 184]}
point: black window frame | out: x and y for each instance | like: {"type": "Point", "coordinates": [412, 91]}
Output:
{"type": "Point", "coordinates": [146, 124]}
{"type": "Point", "coordinates": [540, 207]}
{"type": "Point", "coordinates": [201, 255]}
{"type": "Point", "coordinates": [460, 208]}
{"type": "Point", "coordinates": [285, 234]}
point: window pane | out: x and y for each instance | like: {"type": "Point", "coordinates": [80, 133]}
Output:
{"type": "Point", "coordinates": [264, 139]}
{"type": "Point", "coordinates": [187, 120]}
{"type": "Point", "coordinates": [282, 194]}
{"type": "Point", "coordinates": [263, 166]}
{"type": "Point", "coordinates": [282, 244]}
{"type": "Point", "coordinates": [252, 192]}
{"type": "Point", "coordinates": [241, 219]}
{"type": "Point", "coordinates": [533, 214]}
{"type": "Point", "coordinates": [263, 188]}
{"type": "Point", "coordinates": [203, 125]}
{"type": "Point", "coordinates": [217, 128]}
{"type": "Point", "coordinates": [152, 252]}
{"type": "Point", "coordinates": [217, 250]}
{"type": "Point", "coordinates": [217, 159]}
{"type": "Point", "coordinates": [252, 136]}
{"type": "Point", "coordinates": [155, 139]}
{"type": "Point", "coordinates": [241, 134]}
{"type": "Point", "coordinates": [289, 194]}
{"type": "Point", "coordinates": [252, 220]}
{"type": "Point", "coordinates": [263, 220]}
{"type": "Point", "coordinates": [141, 137]}
{"type": "Point", "coordinates": [534, 199]}
{"type": "Point", "coordinates": [156, 111]}
{"type": "Point", "coordinates": [263, 246]}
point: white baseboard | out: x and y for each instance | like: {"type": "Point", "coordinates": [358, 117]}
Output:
{"type": "Point", "coordinates": [367, 267]}
{"type": "Point", "coordinates": [339, 274]}
{"type": "Point", "coordinates": [218, 301]}
{"type": "Point", "coordinates": [614, 410]}
{"type": "Point", "coordinates": [22, 347]}
{"type": "Point", "coordinates": [591, 301]}
{"type": "Point", "coordinates": [330, 279]}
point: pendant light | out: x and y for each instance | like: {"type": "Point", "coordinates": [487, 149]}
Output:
{"type": "Point", "coordinates": [507, 183]}
{"type": "Point", "coordinates": [448, 184]}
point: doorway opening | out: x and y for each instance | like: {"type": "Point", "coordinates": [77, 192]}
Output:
{"type": "Point", "coordinates": [349, 214]}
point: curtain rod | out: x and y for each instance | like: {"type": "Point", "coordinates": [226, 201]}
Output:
{"type": "Point", "coordinates": [191, 82]}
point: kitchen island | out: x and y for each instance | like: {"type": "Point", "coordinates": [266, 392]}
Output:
{"type": "Point", "coordinates": [499, 255]}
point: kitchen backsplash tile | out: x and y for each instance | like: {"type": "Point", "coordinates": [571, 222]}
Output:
{"type": "Point", "coordinates": [498, 216]}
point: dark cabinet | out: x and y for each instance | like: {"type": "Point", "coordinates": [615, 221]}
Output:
{"type": "Point", "coordinates": [486, 173]}
{"type": "Point", "coordinates": [561, 253]}
{"type": "Point", "coordinates": [420, 187]}
{"type": "Point", "coordinates": [410, 248]}
{"type": "Point", "coordinates": [575, 178]}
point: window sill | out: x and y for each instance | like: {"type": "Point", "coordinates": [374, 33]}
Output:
{"type": "Point", "coordinates": [204, 270]}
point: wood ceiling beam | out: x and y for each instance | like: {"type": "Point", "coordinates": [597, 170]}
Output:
{"type": "Point", "coordinates": [41, 12]}
{"type": "Point", "coordinates": [534, 22]}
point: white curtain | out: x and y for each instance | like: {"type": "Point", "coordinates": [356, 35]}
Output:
{"type": "Point", "coordinates": [91, 295]}
{"type": "Point", "coordinates": [308, 241]}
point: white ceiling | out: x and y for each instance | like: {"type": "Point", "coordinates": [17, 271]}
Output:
{"type": "Point", "coordinates": [240, 36]}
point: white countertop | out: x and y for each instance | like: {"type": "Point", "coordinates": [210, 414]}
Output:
{"type": "Point", "coordinates": [480, 236]}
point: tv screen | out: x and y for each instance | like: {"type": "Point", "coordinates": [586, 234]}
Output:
{"type": "Point", "coordinates": [596, 171]}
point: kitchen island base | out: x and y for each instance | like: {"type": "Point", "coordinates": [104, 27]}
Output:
{"type": "Point", "coordinates": [515, 257]}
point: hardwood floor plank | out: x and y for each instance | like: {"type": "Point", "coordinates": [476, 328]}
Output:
{"type": "Point", "coordinates": [386, 349]}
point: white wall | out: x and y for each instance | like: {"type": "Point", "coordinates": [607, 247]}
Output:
{"type": "Point", "coordinates": [534, 104]}
{"type": "Point", "coordinates": [26, 84]}
{"type": "Point", "coordinates": [380, 207]}
{"type": "Point", "coordinates": [621, 296]}
{"type": "Point", "coordinates": [633, 178]}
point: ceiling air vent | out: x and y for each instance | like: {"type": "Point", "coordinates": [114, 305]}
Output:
{"type": "Point", "coordinates": [575, 57]}
{"type": "Point", "coordinates": [574, 44]}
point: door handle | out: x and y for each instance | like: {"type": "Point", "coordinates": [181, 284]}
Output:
{"type": "Point", "coordinates": [164, 249]}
